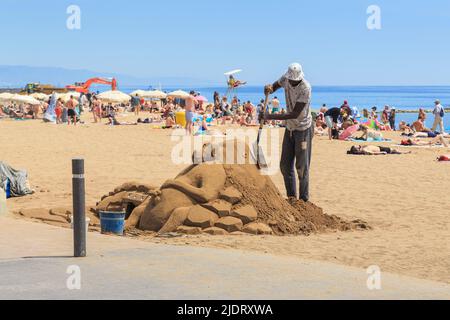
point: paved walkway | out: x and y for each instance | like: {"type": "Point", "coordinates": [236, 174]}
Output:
{"type": "Point", "coordinates": [34, 259]}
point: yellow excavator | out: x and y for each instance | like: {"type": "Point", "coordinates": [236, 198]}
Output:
{"type": "Point", "coordinates": [41, 88]}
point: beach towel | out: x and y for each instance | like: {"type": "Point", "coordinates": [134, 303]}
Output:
{"type": "Point", "coordinates": [369, 140]}
{"type": "Point", "coordinates": [50, 115]}
{"type": "Point", "coordinates": [348, 132]}
{"type": "Point", "coordinates": [18, 180]}
{"type": "Point", "coordinates": [444, 158]}
{"type": "Point", "coordinates": [425, 146]}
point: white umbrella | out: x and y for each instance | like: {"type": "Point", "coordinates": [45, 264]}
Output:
{"type": "Point", "coordinates": [39, 96]}
{"type": "Point", "coordinates": [179, 94]}
{"type": "Point", "coordinates": [155, 94]}
{"type": "Point", "coordinates": [229, 73]}
{"type": "Point", "coordinates": [6, 96]}
{"type": "Point", "coordinates": [114, 96]}
{"type": "Point", "coordinates": [140, 93]}
{"type": "Point", "coordinates": [25, 99]}
{"type": "Point", "coordinates": [66, 96]}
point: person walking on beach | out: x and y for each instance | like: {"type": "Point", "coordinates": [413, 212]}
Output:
{"type": "Point", "coordinates": [136, 104]}
{"type": "Point", "coordinates": [189, 111]}
{"type": "Point", "coordinates": [59, 111]}
{"type": "Point", "coordinates": [297, 143]}
{"type": "Point", "coordinates": [71, 113]}
{"type": "Point", "coordinates": [438, 113]}
{"type": "Point", "coordinates": [392, 118]}
{"type": "Point", "coordinates": [385, 116]}
{"type": "Point", "coordinates": [97, 110]}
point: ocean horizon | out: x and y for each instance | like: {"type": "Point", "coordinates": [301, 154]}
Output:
{"type": "Point", "coordinates": [400, 97]}
{"type": "Point", "coordinates": [403, 98]}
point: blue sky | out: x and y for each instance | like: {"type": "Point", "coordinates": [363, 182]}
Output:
{"type": "Point", "coordinates": [204, 38]}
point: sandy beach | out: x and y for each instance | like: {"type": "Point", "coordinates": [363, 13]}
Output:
{"type": "Point", "coordinates": [403, 197]}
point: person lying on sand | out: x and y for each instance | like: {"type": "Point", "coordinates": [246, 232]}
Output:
{"type": "Point", "coordinates": [424, 134]}
{"type": "Point", "coordinates": [114, 122]}
{"type": "Point", "coordinates": [369, 133]}
{"type": "Point", "coordinates": [374, 150]}
{"type": "Point", "coordinates": [439, 140]}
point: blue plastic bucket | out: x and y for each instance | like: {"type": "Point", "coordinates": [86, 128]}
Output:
{"type": "Point", "coordinates": [112, 222]}
{"type": "Point", "coordinates": [8, 189]}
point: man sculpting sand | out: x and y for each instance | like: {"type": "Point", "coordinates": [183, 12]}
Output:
{"type": "Point", "coordinates": [297, 141]}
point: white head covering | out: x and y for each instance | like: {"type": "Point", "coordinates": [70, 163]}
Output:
{"type": "Point", "coordinates": [295, 72]}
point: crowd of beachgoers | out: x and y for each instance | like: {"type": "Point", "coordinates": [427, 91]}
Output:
{"type": "Point", "coordinates": [162, 111]}
{"type": "Point", "coordinates": [343, 123]}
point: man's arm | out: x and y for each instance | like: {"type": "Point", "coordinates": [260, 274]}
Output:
{"type": "Point", "coordinates": [299, 106]}
{"type": "Point", "coordinates": [271, 88]}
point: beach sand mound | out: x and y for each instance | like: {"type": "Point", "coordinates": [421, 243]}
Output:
{"type": "Point", "coordinates": [239, 199]}
{"type": "Point", "coordinates": [284, 216]}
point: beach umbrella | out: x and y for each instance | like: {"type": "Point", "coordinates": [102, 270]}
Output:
{"type": "Point", "coordinates": [139, 93]}
{"type": "Point", "coordinates": [24, 99]}
{"type": "Point", "coordinates": [201, 99]}
{"type": "Point", "coordinates": [155, 94]}
{"type": "Point", "coordinates": [6, 96]}
{"type": "Point", "coordinates": [114, 97]}
{"type": "Point", "coordinates": [66, 96]}
{"type": "Point", "coordinates": [179, 94]}
{"type": "Point", "coordinates": [230, 73]}
{"type": "Point", "coordinates": [39, 96]}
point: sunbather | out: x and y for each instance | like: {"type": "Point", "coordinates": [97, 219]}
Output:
{"type": "Point", "coordinates": [369, 134]}
{"type": "Point", "coordinates": [439, 140]}
{"type": "Point", "coordinates": [419, 126]}
{"type": "Point", "coordinates": [373, 150]}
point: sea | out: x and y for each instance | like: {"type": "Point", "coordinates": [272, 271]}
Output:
{"type": "Point", "coordinates": [406, 98]}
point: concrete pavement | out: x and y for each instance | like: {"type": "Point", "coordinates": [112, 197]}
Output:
{"type": "Point", "coordinates": [34, 260]}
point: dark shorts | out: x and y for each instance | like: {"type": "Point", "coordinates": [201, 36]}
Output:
{"type": "Point", "coordinates": [385, 149]}
{"type": "Point", "coordinates": [71, 113]}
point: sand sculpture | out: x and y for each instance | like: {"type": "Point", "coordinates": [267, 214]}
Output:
{"type": "Point", "coordinates": [219, 199]}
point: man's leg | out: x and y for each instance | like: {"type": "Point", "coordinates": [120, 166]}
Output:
{"type": "Point", "coordinates": [287, 163]}
{"type": "Point", "coordinates": [303, 147]}
{"type": "Point", "coordinates": [435, 124]}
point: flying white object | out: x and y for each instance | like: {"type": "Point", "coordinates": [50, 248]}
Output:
{"type": "Point", "coordinates": [229, 73]}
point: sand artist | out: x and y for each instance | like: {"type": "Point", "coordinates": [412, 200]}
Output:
{"type": "Point", "coordinates": [221, 199]}
{"type": "Point", "coordinates": [297, 142]}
